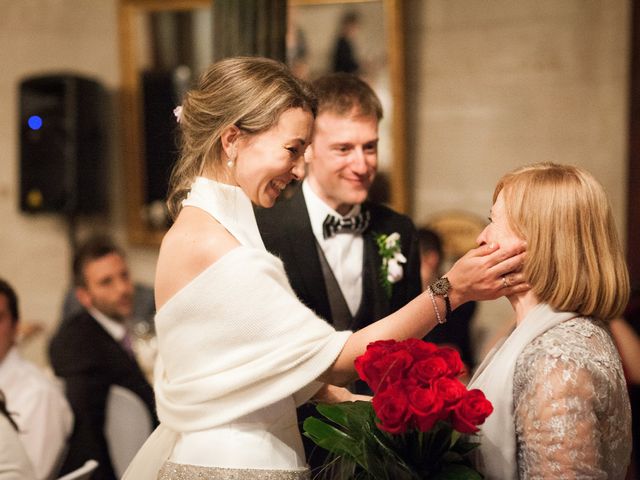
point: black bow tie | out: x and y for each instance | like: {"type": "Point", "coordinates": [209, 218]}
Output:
{"type": "Point", "coordinates": [333, 225]}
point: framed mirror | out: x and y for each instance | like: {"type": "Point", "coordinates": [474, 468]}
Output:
{"type": "Point", "coordinates": [165, 44]}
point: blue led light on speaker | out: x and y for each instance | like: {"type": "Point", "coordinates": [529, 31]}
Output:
{"type": "Point", "coordinates": [35, 122]}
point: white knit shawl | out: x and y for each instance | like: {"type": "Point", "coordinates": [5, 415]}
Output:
{"type": "Point", "coordinates": [496, 456]}
{"type": "Point", "coordinates": [234, 340]}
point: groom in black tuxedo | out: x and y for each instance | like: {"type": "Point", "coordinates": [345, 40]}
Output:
{"type": "Point", "coordinates": [326, 231]}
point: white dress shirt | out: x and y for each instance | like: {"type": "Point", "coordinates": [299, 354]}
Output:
{"type": "Point", "coordinates": [14, 462]}
{"type": "Point", "coordinates": [40, 410]}
{"type": "Point", "coordinates": [114, 328]}
{"type": "Point", "coordinates": [343, 251]}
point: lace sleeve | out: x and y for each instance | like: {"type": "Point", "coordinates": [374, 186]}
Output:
{"type": "Point", "coordinates": [556, 422]}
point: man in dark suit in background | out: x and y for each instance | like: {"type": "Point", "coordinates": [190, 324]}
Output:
{"type": "Point", "coordinates": [91, 351]}
{"type": "Point", "coordinates": [327, 233]}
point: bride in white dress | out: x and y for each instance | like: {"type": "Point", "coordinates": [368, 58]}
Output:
{"type": "Point", "coordinates": [237, 350]}
{"type": "Point", "coordinates": [561, 407]}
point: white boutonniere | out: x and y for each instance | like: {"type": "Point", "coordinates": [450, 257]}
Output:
{"type": "Point", "coordinates": [391, 270]}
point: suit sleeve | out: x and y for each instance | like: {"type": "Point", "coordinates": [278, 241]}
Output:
{"type": "Point", "coordinates": [76, 361]}
{"type": "Point", "coordinates": [412, 283]}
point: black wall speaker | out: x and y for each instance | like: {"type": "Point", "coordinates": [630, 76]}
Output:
{"type": "Point", "coordinates": [62, 145]}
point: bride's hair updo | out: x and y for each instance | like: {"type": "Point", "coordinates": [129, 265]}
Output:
{"type": "Point", "coordinates": [574, 260]}
{"type": "Point", "coordinates": [248, 92]}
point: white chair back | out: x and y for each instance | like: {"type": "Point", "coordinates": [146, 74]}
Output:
{"type": "Point", "coordinates": [82, 473]}
{"type": "Point", "coordinates": [127, 426]}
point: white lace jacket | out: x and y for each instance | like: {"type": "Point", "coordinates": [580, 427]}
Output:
{"type": "Point", "coordinates": [571, 406]}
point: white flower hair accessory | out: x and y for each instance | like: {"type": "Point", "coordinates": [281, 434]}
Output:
{"type": "Point", "coordinates": [391, 270]}
{"type": "Point", "coordinates": [178, 113]}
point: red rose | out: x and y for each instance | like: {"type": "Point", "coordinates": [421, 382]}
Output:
{"type": "Point", "coordinates": [419, 349]}
{"type": "Point", "coordinates": [452, 357]}
{"type": "Point", "coordinates": [429, 369]}
{"type": "Point", "coordinates": [374, 351]}
{"type": "Point", "coordinates": [471, 411]}
{"type": "Point", "coordinates": [427, 407]}
{"type": "Point", "coordinates": [381, 347]}
{"type": "Point", "coordinates": [392, 408]}
{"type": "Point", "coordinates": [451, 390]}
{"type": "Point", "coordinates": [377, 369]}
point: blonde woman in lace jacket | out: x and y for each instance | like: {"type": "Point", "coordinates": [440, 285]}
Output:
{"type": "Point", "coordinates": [556, 382]}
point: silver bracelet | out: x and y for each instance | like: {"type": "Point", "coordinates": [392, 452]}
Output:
{"type": "Point", "coordinates": [435, 307]}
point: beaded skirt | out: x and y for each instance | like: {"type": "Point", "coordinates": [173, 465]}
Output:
{"type": "Point", "coordinates": [179, 471]}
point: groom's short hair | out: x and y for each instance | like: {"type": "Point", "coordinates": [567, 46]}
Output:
{"type": "Point", "coordinates": [346, 94]}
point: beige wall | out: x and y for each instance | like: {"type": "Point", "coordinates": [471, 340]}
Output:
{"type": "Point", "coordinates": [497, 84]}
{"type": "Point", "coordinates": [492, 85]}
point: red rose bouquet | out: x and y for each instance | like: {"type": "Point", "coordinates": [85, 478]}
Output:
{"type": "Point", "coordinates": [419, 424]}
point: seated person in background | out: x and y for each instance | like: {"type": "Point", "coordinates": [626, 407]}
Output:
{"type": "Point", "coordinates": [628, 343]}
{"type": "Point", "coordinates": [92, 351]}
{"type": "Point", "coordinates": [455, 333]}
{"type": "Point", "coordinates": [37, 404]}
{"type": "Point", "coordinates": [140, 323]}
{"type": "Point", "coordinates": [561, 408]}
{"type": "Point", "coordinates": [626, 333]}
{"type": "Point", "coordinates": [14, 462]}
{"type": "Point", "coordinates": [144, 307]}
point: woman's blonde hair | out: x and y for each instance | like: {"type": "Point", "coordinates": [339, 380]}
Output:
{"type": "Point", "coordinates": [574, 260]}
{"type": "Point", "coordinates": [248, 92]}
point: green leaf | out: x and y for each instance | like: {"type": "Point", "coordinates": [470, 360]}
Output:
{"type": "Point", "coordinates": [347, 414]}
{"type": "Point", "coordinates": [454, 471]}
{"type": "Point", "coordinates": [330, 438]}
{"type": "Point", "coordinates": [350, 432]}
{"type": "Point", "coordinates": [452, 457]}
{"type": "Point", "coordinates": [464, 447]}
{"type": "Point", "coordinates": [455, 436]}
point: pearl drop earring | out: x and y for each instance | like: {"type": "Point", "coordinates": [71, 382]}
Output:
{"type": "Point", "coordinates": [232, 158]}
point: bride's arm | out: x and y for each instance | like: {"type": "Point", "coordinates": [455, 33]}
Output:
{"type": "Point", "coordinates": [476, 276]}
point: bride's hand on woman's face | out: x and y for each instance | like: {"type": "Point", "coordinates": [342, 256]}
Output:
{"type": "Point", "coordinates": [478, 275]}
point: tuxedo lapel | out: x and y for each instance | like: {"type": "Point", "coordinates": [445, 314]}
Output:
{"type": "Point", "coordinates": [287, 233]}
{"type": "Point", "coordinates": [117, 354]}
{"type": "Point", "coordinates": [303, 246]}
{"type": "Point", "coordinates": [372, 287]}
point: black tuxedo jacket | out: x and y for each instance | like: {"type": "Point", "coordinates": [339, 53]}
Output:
{"type": "Point", "coordinates": [286, 232]}
{"type": "Point", "coordinates": [90, 361]}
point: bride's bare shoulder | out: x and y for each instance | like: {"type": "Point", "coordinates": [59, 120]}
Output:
{"type": "Point", "coordinates": [193, 243]}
